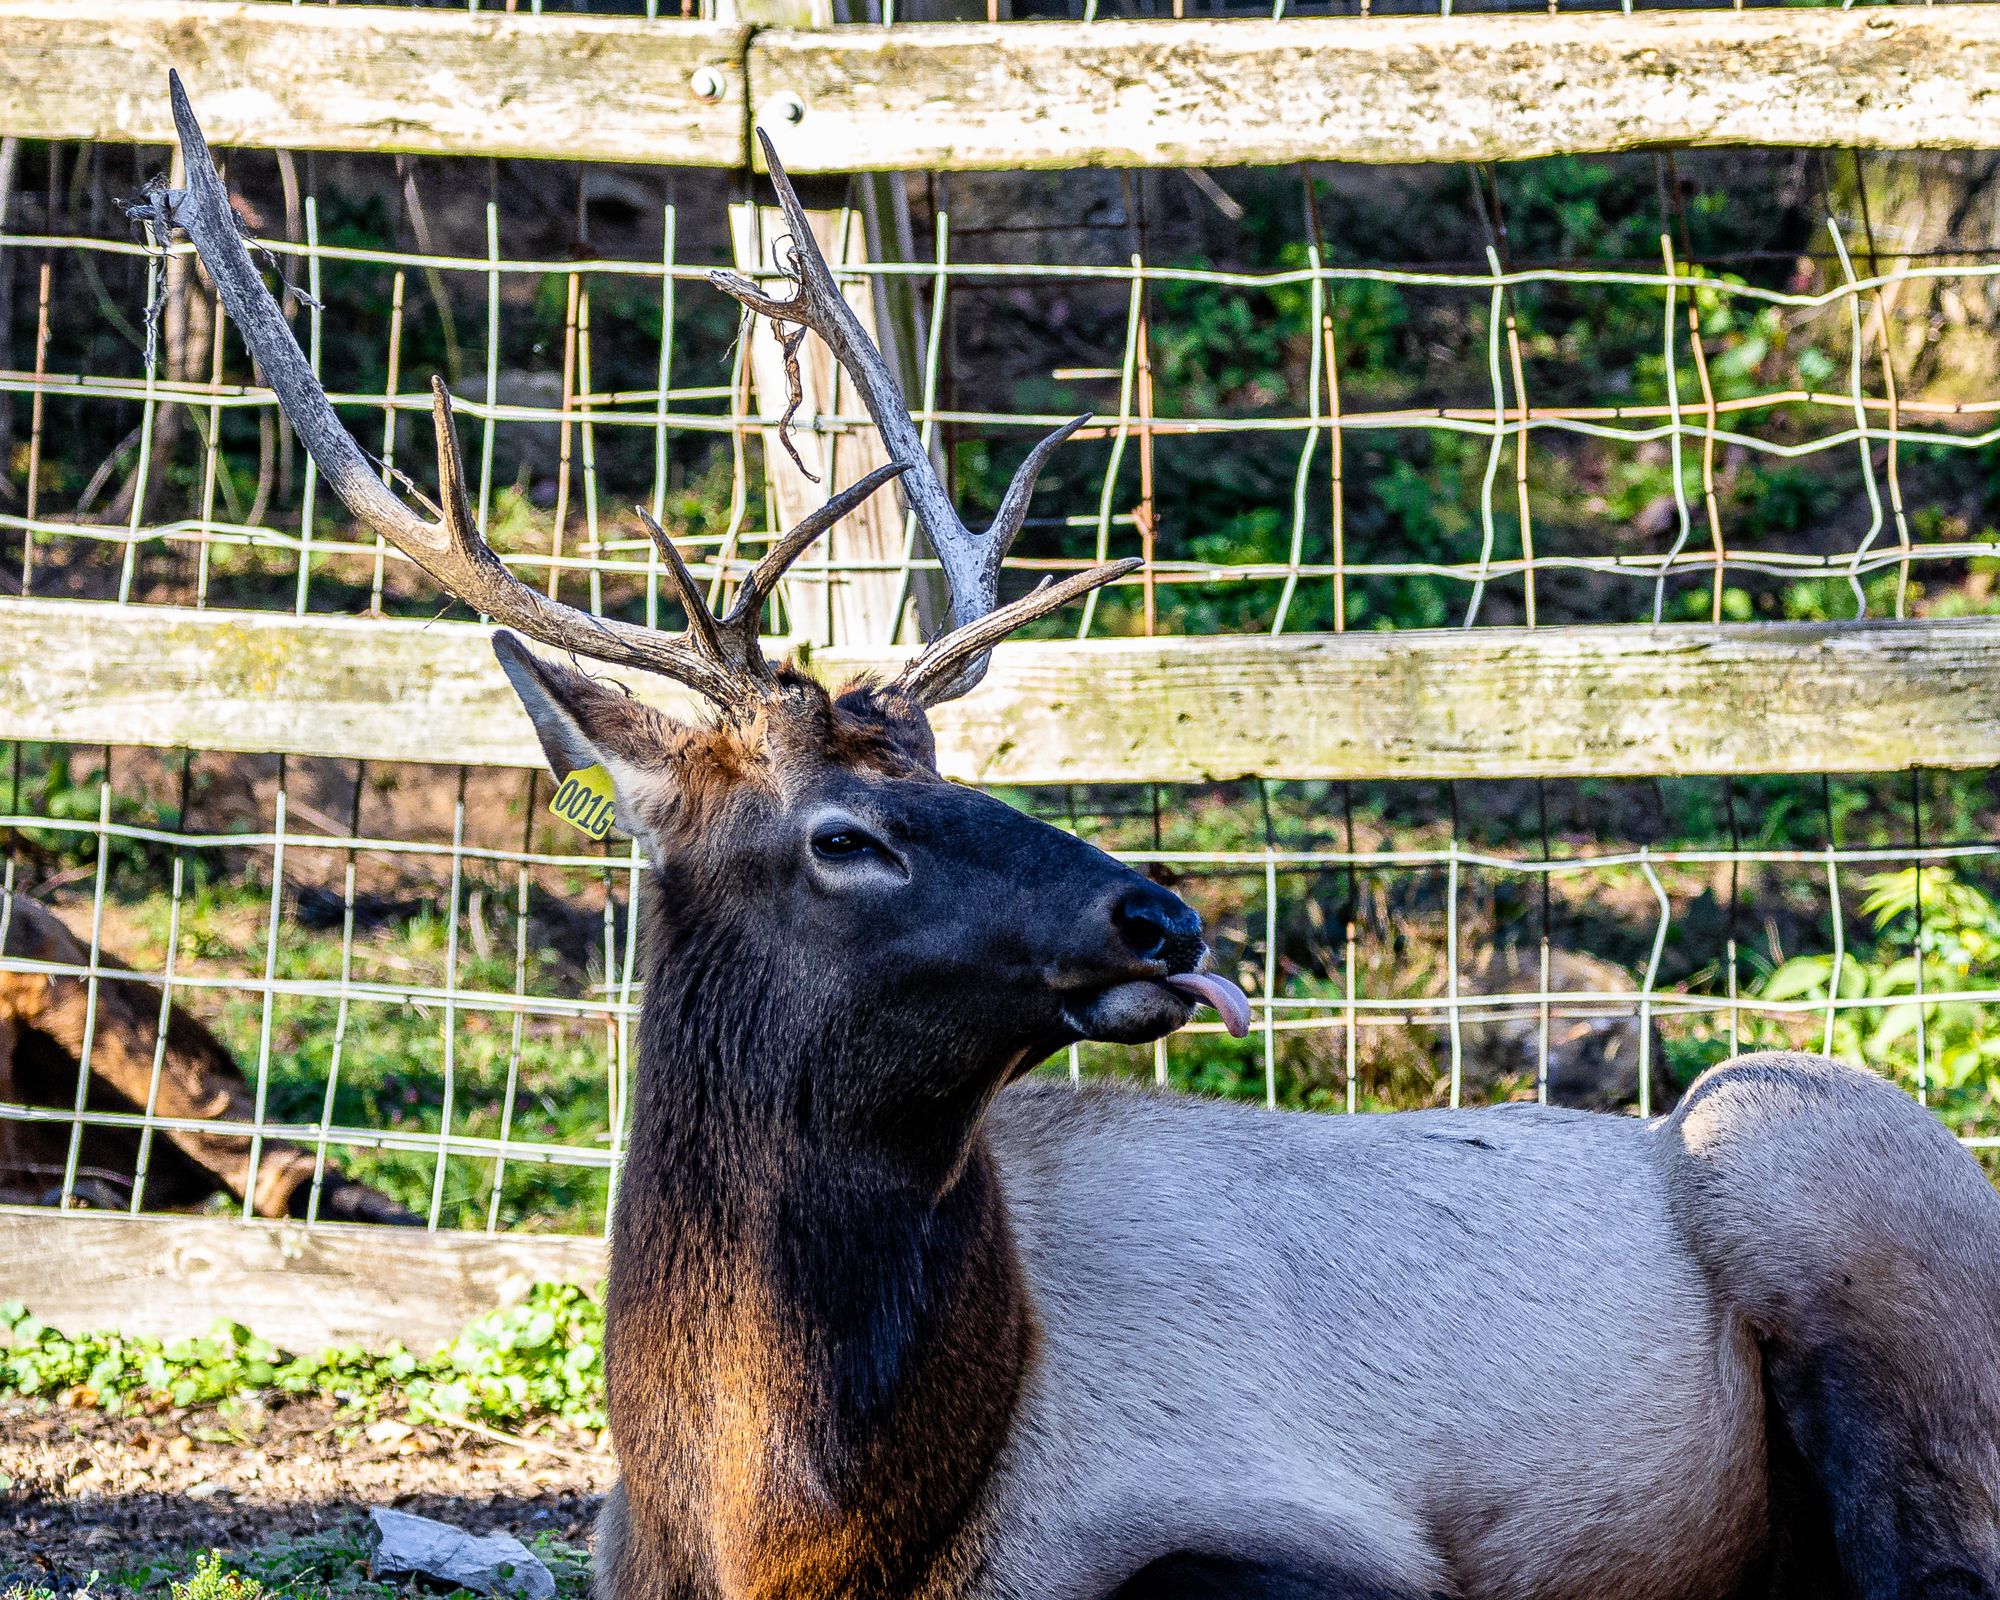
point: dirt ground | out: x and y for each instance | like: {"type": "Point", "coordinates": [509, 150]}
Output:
{"type": "Point", "coordinates": [87, 1492]}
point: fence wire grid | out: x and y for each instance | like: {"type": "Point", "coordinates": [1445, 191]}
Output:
{"type": "Point", "coordinates": [1732, 369]}
{"type": "Point", "coordinates": [1685, 409]}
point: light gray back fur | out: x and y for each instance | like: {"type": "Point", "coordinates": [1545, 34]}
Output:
{"type": "Point", "coordinates": [1458, 1352]}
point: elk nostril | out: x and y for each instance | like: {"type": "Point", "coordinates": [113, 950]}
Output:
{"type": "Point", "coordinates": [1145, 927]}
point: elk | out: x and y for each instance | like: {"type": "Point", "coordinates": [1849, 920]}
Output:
{"type": "Point", "coordinates": [887, 1320]}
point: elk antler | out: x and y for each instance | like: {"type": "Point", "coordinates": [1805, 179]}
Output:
{"type": "Point", "coordinates": [956, 661]}
{"type": "Point", "coordinates": [716, 657]}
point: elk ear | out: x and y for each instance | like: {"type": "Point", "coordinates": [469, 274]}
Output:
{"type": "Point", "coordinates": [583, 723]}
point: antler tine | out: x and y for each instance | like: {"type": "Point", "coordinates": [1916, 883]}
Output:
{"type": "Point", "coordinates": [971, 561]}
{"type": "Point", "coordinates": [765, 575]}
{"type": "Point", "coordinates": [732, 640]}
{"type": "Point", "coordinates": [936, 675]}
{"type": "Point", "coordinates": [1014, 504]}
{"type": "Point", "coordinates": [451, 551]}
{"type": "Point", "coordinates": [701, 621]}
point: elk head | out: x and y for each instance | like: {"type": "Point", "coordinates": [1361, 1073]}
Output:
{"type": "Point", "coordinates": [808, 854]}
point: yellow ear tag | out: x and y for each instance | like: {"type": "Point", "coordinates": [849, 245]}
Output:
{"type": "Point", "coordinates": [584, 801]}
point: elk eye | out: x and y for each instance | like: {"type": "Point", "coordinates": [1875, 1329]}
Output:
{"type": "Point", "coordinates": [842, 844]}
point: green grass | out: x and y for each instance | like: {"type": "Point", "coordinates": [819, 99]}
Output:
{"type": "Point", "coordinates": [318, 1566]}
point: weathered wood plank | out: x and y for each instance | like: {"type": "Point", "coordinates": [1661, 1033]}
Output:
{"type": "Point", "coordinates": [371, 78]}
{"type": "Point", "coordinates": [1489, 702]}
{"type": "Point", "coordinates": [954, 96]}
{"type": "Point", "coordinates": [303, 1289]}
{"type": "Point", "coordinates": [1488, 88]}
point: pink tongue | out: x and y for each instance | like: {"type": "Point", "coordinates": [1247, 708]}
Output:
{"type": "Point", "coordinates": [1219, 992]}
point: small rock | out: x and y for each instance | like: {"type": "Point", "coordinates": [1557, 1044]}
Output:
{"type": "Point", "coordinates": [406, 1546]}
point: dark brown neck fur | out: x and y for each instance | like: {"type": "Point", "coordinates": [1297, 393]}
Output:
{"type": "Point", "coordinates": [817, 1334]}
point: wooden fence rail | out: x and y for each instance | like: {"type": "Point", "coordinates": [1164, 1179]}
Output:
{"type": "Point", "coordinates": [1490, 88]}
{"type": "Point", "coordinates": [374, 78]}
{"type": "Point", "coordinates": [305, 1289]}
{"type": "Point", "coordinates": [1011, 95]}
{"type": "Point", "coordinates": [1483, 703]}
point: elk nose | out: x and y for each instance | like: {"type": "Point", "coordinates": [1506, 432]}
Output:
{"type": "Point", "coordinates": [1157, 925]}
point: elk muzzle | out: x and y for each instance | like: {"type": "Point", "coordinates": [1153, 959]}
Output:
{"type": "Point", "coordinates": [1154, 976]}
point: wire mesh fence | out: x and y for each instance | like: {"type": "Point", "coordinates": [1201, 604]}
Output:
{"type": "Point", "coordinates": [1633, 389]}
{"type": "Point", "coordinates": [449, 1018]}
{"type": "Point", "coordinates": [594, 384]}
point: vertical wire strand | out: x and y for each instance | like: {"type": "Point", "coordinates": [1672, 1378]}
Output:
{"type": "Point", "coordinates": [1542, 992]}
{"type": "Point", "coordinates": [1730, 946]}
{"type": "Point", "coordinates": [559, 522]}
{"type": "Point", "coordinates": [588, 430]}
{"type": "Point", "coordinates": [265, 1016]}
{"type": "Point", "coordinates": [37, 413]}
{"type": "Point", "coordinates": [1858, 391]}
{"type": "Point", "coordinates": [513, 1081]}
{"type": "Point", "coordinates": [89, 1041]}
{"type": "Point", "coordinates": [1894, 455]}
{"type": "Point", "coordinates": [1302, 475]}
{"type": "Point", "coordinates": [343, 1001]}
{"type": "Point", "coordinates": [488, 426]}
{"type": "Point", "coordinates": [149, 411]}
{"type": "Point", "coordinates": [614, 1063]}
{"type": "Point", "coordinates": [1676, 431]}
{"type": "Point", "coordinates": [211, 447]}
{"type": "Point", "coordinates": [315, 320]}
{"type": "Point", "coordinates": [1652, 985]}
{"type": "Point", "coordinates": [389, 429]}
{"type": "Point", "coordinates": [628, 1003]}
{"type": "Point", "coordinates": [1917, 897]}
{"type": "Point", "coordinates": [1834, 913]}
{"type": "Point", "coordinates": [1496, 439]}
{"type": "Point", "coordinates": [1269, 997]}
{"type": "Point", "coordinates": [143, 1157]}
{"type": "Point", "coordinates": [391, 388]}
{"type": "Point", "coordinates": [1350, 1011]}
{"type": "Point", "coordinates": [448, 1097]}
{"type": "Point", "coordinates": [665, 381]}
{"type": "Point", "coordinates": [1456, 1021]}
{"type": "Point", "coordinates": [1521, 473]}
{"type": "Point", "coordinates": [1336, 467]}
{"type": "Point", "coordinates": [1127, 381]}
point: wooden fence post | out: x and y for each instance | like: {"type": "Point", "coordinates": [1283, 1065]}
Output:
{"type": "Point", "coordinates": [857, 607]}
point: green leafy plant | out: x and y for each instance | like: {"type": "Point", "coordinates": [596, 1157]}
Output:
{"type": "Point", "coordinates": [45, 782]}
{"type": "Point", "coordinates": [211, 1580]}
{"type": "Point", "coordinates": [1950, 1047]}
{"type": "Point", "coordinates": [331, 1564]}
{"type": "Point", "coordinates": [540, 1357]}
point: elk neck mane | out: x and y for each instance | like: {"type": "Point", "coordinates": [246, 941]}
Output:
{"type": "Point", "coordinates": [819, 1323]}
